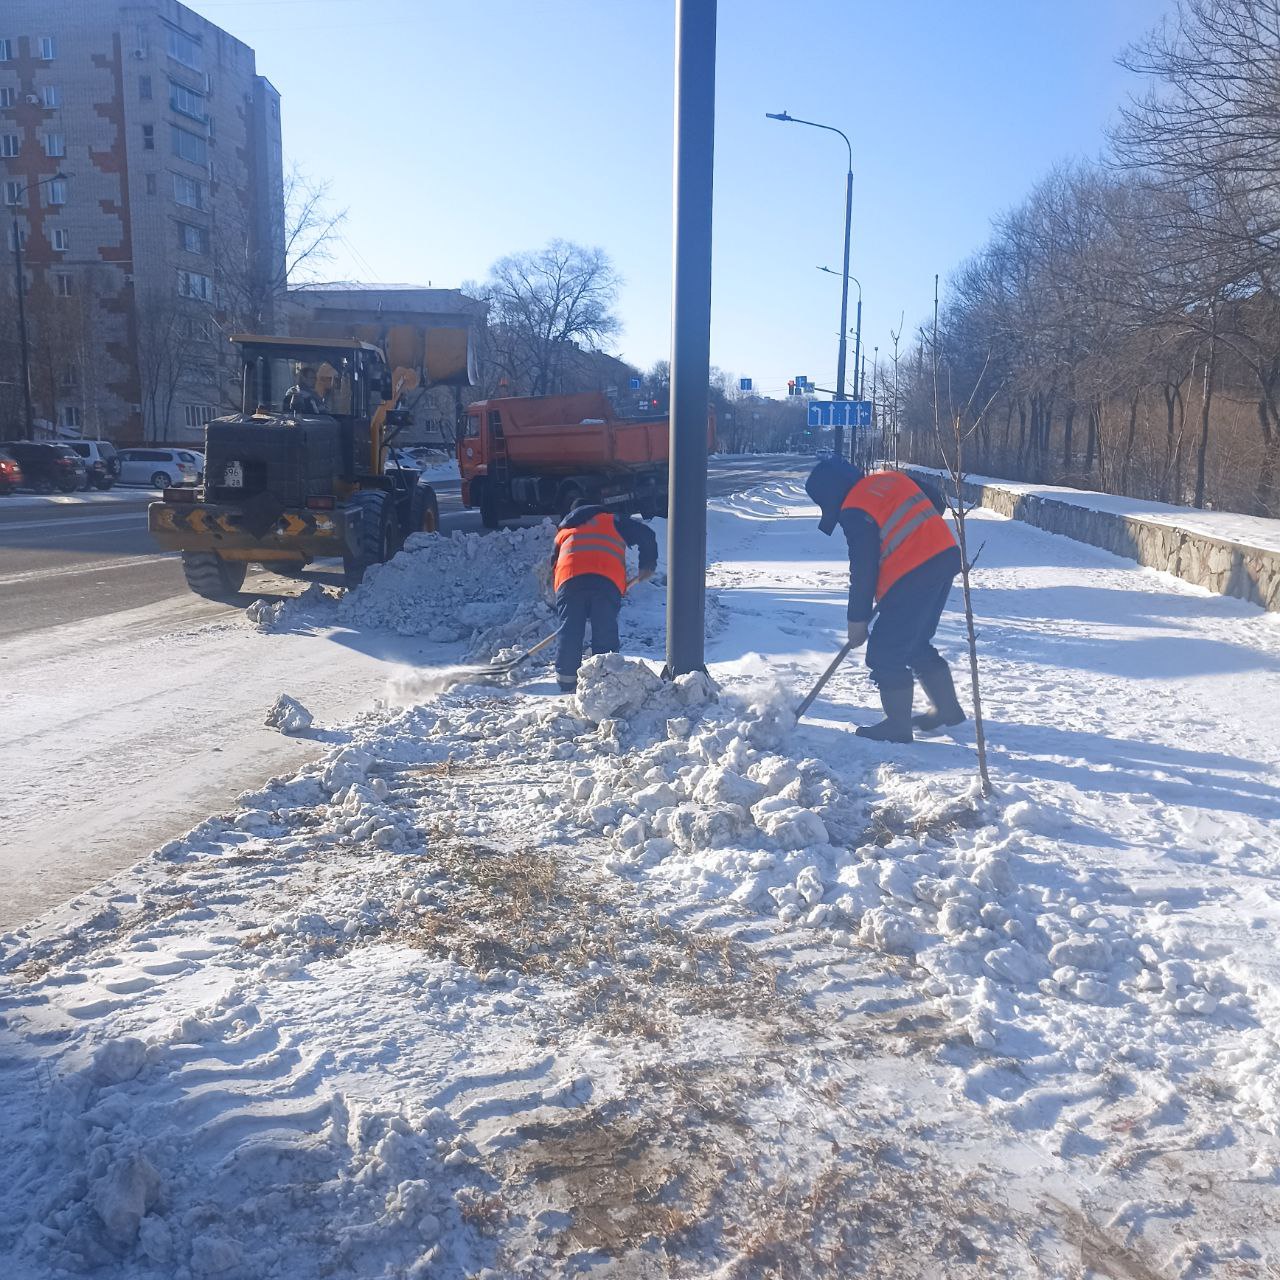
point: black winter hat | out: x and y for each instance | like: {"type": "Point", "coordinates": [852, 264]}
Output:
{"type": "Point", "coordinates": [828, 485]}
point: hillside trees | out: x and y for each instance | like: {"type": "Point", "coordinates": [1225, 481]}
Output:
{"type": "Point", "coordinates": [1130, 310]}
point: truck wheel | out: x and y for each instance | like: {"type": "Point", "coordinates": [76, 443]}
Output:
{"type": "Point", "coordinates": [378, 532]}
{"type": "Point", "coordinates": [489, 514]}
{"type": "Point", "coordinates": [567, 496]}
{"type": "Point", "coordinates": [424, 511]}
{"type": "Point", "coordinates": [209, 575]}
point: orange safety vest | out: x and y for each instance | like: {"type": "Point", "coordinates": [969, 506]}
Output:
{"type": "Point", "coordinates": [911, 531]}
{"type": "Point", "coordinates": [593, 547]}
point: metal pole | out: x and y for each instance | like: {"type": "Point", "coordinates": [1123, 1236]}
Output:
{"type": "Point", "coordinates": [857, 351]}
{"type": "Point", "coordinates": [690, 334]}
{"type": "Point", "coordinates": [844, 299]}
{"type": "Point", "coordinates": [19, 283]}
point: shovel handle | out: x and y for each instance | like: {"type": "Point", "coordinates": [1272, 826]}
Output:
{"type": "Point", "coordinates": [823, 678]}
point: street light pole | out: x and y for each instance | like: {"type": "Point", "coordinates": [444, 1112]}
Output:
{"type": "Point", "coordinates": [857, 332]}
{"type": "Point", "coordinates": [784, 118]}
{"type": "Point", "coordinates": [19, 280]}
{"type": "Point", "coordinates": [690, 335]}
{"type": "Point", "coordinates": [29, 417]}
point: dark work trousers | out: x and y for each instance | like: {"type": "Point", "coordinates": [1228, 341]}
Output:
{"type": "Point", "coordinates": [902, 633]}
{"type": "Point", "coordinates": [586, 598]}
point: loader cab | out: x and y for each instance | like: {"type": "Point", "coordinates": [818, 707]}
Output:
{"type": "Point", "coordinates": [351, 382]}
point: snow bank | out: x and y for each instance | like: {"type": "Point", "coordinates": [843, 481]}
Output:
{"type": "Point", "coordinates": [452, 588]}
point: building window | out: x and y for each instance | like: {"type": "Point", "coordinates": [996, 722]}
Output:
{"type": "Point", "coordinates": [57, 191]}
{"type": "Point", "coordinates": [68, 379]}
{"type": "Point", "coordinates": [193, 239]}
{"type": "Point", "coordinates": [8, 97]}
{"type": "Point", "coordinates": [183, 49]}
{"type": "Point", "coordinates": [148, 137]}
{"type": "Point", "coordinates": [200, 415]}
{"type": "Point", "coordinates": [63, 285]}
{"type": "Point", "coordinates": [12, 192]}
{"type": "Point", "coordinates": [51, 96]}
{"type": "Point", "coordinates": [17, 238]}
{"type": "Point", "coordinates": [6, 50]}
{"type": "Point", "coordinates": [55, 145]}
{"type": "Point", "coordinates": [151, 184]}
{"type": "Point", "coordinates": [191, 284]}
{"type": "Point", "coordinates": [48, 48]}
{"type": "Point", "coordinates": [144, 88]}
{"type": "Point", "coordinates": [187, 191]}
{"type": "Point", "coordinates": [10, 145]}
{"type": "Point", "coordinates": [61, 240]}
{"type": "Point", "coordinates": [71, 416]}
{"type": "Point", "coordinates": [199, 330]}
{"type": "Point", "coordinates": [186, 102]}
{"type": "Point", "coordinates": [187, 146]}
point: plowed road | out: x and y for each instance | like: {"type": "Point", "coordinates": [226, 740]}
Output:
{"type": "Point", "coordinates": [70, 562]}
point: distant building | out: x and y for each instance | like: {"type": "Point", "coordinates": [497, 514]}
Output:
{"type": "Point", "coordinates": [431, 331]}
{"type": "Point", "coordinates": [167, 228]}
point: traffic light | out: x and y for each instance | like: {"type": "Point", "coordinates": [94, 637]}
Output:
{"type": "Point", "coordinates": [791, 386]}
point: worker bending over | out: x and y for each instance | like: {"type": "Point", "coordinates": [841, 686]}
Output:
{"type": "Point", "coordinates": [902, 555]}
{"type": "Point", "coordinates": [590, 567]}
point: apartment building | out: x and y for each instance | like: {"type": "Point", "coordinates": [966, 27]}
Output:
{"type": "Point", "coordinates": [141, 177]}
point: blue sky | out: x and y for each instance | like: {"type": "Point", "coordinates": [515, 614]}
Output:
{"type": "Point", "coordinates": [455, 132]}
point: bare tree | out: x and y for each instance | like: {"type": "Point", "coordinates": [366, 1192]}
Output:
{"type": "Point", "coordinates": [952, 452]}
{"type": "Point", "coordinates": [543, 307]}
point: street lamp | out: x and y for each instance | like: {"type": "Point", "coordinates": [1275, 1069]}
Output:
{"type": "Point", "coordinates": [784, 118]}
{"type": "Point", "coordinates": [20, 283]}
{"type": "Point", "coordinates": [857, 334]}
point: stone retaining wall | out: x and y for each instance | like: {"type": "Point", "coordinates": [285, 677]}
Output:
{"type": "Point", "coordinates": [1229, 568]}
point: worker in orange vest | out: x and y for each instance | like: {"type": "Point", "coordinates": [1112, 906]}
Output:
{"type": "Point", "coordinates": [589, 565]}
{"type": "Point", "coordinates": [903, 557]}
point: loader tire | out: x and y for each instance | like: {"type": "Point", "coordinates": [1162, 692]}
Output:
{"type": "Point", "coordinates": [212, 577]}
{"type": "Point", "coordinates": [424, 510]}
{"type": "Point", "coordinates": [379, 532]}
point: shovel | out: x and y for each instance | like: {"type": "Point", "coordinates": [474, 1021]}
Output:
{"type": "Point", "coordinates": [823, 678]}
{"type": "Point", "coordinates": [503, 668]}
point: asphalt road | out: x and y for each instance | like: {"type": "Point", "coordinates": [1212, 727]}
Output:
{"type": "Point", "coordinates": [70, 563]}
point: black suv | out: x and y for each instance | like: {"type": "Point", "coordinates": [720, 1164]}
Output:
{"type": "Point", "coordinates": [100, 457]}
{"type": "Point", "coordinates": [46, 467]}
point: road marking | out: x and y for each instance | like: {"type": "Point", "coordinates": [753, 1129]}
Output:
{"type": "Point", "coordinates": [73, 571]}
{"type": "Point", "coordinates": [72, 522]}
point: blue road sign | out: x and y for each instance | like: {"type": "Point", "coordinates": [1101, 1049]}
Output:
{"type": "Point", "coordinates": [635, 384]}
{"type": "Point", "coordinates": [840, 413]}
{"type": "Point", "coordinates": [744, 384]}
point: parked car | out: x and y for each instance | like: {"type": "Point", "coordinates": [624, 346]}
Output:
{"type": "Point", "coordinates": [100, 458]}
{"type": "Point", "coordinates": [401, 458]}
{"type": "Point", "coordinates": [46, 467]}
{"type": "Point", "coordinates": [10, 473]}
{"type": "Point", "coordinates": [160, 468]}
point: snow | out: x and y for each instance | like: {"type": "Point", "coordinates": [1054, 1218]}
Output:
{"type": "Point", "coordinates": [1230, 526]}
{"type": "Point", "coordinates": [508, 984]}
{"type": "Point", "coordinates": [289, 715]}
{"type": "Point", "coordinates": [449, 588]}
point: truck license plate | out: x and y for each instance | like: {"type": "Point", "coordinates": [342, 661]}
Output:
{"type": "Point", "coordinates": [233, 476]}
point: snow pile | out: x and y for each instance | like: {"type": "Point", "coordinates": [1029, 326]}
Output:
{"type": "Point", "coordinates": [451, 588]}
{"type": "Point", "coordinates": [313, 608]}
{"type": "Point", "coordinates": [289, 715]}
{"type": "Point", "coordinates": [710, 798]}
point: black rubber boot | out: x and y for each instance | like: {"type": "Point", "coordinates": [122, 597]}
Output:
{"type": "Point", "coordinates": [945, 710]}
{"type": "Point", "coordinates": [567, 686]}
{"type": "Point", "coordinates": [896, 726]}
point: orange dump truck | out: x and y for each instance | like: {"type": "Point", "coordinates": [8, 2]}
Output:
{"type": "Point", "coordinates": [538, 455]}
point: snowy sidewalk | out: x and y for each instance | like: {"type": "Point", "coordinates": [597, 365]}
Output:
{"type": "Point", "coordinates": [653, 984]}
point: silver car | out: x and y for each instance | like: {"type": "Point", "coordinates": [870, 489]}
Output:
{"type": "Point", "coordinates": [160, 468]}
